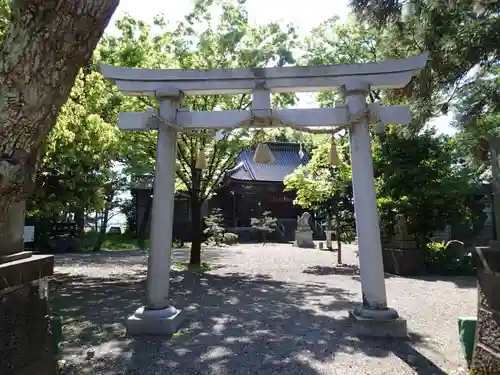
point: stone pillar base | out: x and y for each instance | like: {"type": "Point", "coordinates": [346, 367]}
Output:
{"type": "Point", "coordinates": [154, 322]}
{"type": "Point", "coordinates": [304, 239]}
{"type": "Point", "coordinates": [378, 323]}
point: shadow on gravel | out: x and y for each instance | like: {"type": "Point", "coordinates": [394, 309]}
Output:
{"type": "Point", "coordinates": [413, 358]}
{"type": "Point", "coordinates": [466, 282]}
{"type": "Point", "coordinates": [92, 307]}
{"type": "Point", "coordinates": [343, 269]}
{"type": "Point", "coordinates": [236, 324]}
{"type": "Point", "coordinates": [132, 257]}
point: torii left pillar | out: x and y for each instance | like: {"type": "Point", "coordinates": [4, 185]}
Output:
{"type": "Point", "coordinates": [158, 316]}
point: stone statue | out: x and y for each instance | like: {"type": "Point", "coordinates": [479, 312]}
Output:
{"type": "Point", "coordinates": [303, 234]}
{"type": "Point", "coordinates": [303, 221]}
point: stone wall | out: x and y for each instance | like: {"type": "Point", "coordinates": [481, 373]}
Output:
{"type": "Point", "coordinates": [403, 257]}
{"type": "Point", "coordinates": [26, 344]}
{"type": "Point", "coordinates": [486, 357]}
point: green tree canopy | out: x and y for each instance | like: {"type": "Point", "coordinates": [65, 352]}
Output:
{"type": "Point", "coordinates": [199, 42]}
{"type": "Point", "coordinates": [419, 177]}
{"type": "Point", "coordinates": [79, 153]}
{"type": "Point", "coordinates": [4, 16]}
{"type": "Point", "coordinates": [318, 181]}
{"type": "Point", "coordinates": [326, 189]}
{"type": "Point", "coordinates": [460, 37]}
{"type": "Point", "coordinates": [477, 107]}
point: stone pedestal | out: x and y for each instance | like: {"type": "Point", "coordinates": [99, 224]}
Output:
{"type": "Point", "coordinates": [304, 238]}
{"type": "Point", "coordinates": [400, 253]}
{"type": "Point", "coordinates": [403, 258]}
{"type": "Point", "coordinates": [486, 357]}
{"type": "Point", "coordinates": [26, 344]}
{"type": "Point", "coordinates": [378, 323]}
{"type": "Point", "coordinates": [155, 322]}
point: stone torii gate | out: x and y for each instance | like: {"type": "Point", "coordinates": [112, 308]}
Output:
{"type": "Point", "coordinates": [170, 86]}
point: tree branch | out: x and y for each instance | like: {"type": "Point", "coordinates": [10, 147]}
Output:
{"type": "Point", "coordinates": [242, 99]}
{"type": "Point", "coordinates": [184, 170]}
{"type": "Point", "coordinates": [185, 180]}
{"type": "Point", "coordinates": [211, 167]}
{"type": "Point", "coordinates": [215, 182]}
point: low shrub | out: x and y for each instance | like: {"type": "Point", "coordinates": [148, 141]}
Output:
{"type": "Point", "coordinates": [215, 230]}
{"type": "Point", "coordinates": [266, 224]}
{"type": "Point", "coordinates": [448, 259]}
{"type": "Point", "coordinates": [230, 238]}
{"type": "Point", "coordinates": [112, 241]}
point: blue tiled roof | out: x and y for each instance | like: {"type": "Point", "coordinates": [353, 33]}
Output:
{"type": "Point", "coordinates": [286, 157]}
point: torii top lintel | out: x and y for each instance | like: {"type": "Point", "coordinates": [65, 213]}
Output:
{"type": "Point", "coordinates": [389, 74]}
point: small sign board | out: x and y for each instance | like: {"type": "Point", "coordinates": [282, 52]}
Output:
{"type": "Point", "coordinates": [29, 233]}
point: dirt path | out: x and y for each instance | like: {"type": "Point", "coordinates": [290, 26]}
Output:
{"type": "Point", "coordinates": [261, 310]}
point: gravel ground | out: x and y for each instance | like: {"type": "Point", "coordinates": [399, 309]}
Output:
{"type": "Point", "coordinates": [271, 309]}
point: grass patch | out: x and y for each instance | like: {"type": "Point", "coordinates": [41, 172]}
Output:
{"type": "Point", "coordinates": [203, 267]}
{"type": "Point", "coordinates": [111, 241]}
{"type": "Point", "coordinates": [114, 241]}
{"type": "Point", "coordinates": [177, 334]}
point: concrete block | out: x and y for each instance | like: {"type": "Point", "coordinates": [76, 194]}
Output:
{"type": "Point", "coordinates": [155, 322]}
{"type": "Point", "coordinates": [378, 326]}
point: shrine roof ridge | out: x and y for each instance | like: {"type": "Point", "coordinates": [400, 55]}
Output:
{"type": "Point", "coordinates": [287, 160]}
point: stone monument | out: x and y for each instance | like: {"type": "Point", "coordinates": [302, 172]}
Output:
{"type": "Point", "coordinates": [303, 234]}
{"type": "Point", "coordinates": [486, 357]}
{"type": "Point", "coordinates": [400, 253]}
{"type": "Point", "coordinates": [25, 331]}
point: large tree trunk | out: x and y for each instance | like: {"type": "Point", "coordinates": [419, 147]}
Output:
{"type": "Point", "coordinates": [102, 232]}
{"type": "Point", "coordinates": [46, 44]}
{"type": "Point", "coordinates": [145, 221]}
{"type": "Point", "coordinates": [339, 240]}
{"type": "Point", "coordinates": [79, 217]}
{"type": "Point", "coordinates": [196, 231]}
{"type": "Point", "coordinates": [495, 171]}
{"type": "Point", "coordinates": [196, 219]}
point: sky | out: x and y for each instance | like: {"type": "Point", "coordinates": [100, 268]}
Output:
{"type": "Point", "coordinates": [260, 11]}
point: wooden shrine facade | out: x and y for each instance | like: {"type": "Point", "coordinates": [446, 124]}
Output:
{"type": "Point", "coordinates": [249, 189]}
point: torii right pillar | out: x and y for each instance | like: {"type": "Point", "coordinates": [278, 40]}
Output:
{"type": "Point", "coordinates": [373, 317]}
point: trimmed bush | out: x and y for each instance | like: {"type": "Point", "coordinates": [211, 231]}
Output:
{"type": "Point", "coordinates": [230, 238]}
{"type": "Point", "coordinates": [448, 259]}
